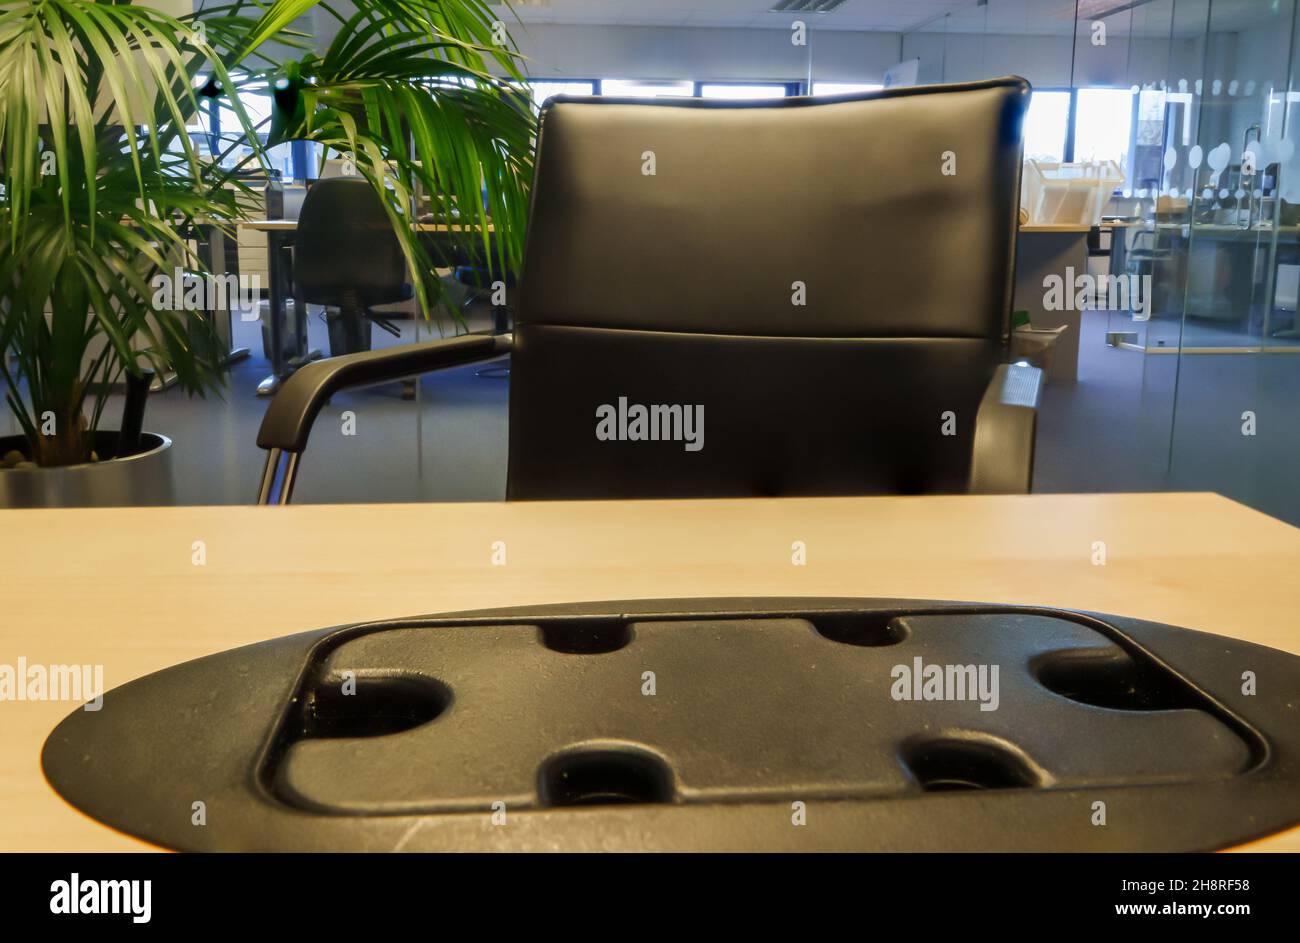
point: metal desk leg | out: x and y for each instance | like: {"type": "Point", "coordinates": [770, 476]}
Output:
{"type": "Point", "coordinates": [302, 354]}
{"type": "Point", "coordinates": [213, 254]}
{"type": "Point", "coordinates": [277, 290]}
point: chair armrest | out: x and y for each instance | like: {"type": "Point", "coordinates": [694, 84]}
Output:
{"type": "Point", "coordinates": [288, 420]}
{"type": "Point", "coordinates": [1002, 461]}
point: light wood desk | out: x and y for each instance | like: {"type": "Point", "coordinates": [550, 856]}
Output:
{"type": "Point", "coordinates": [118, 587]}
{"type": "Point", "coordinates": [291, 225]}
{"type": "Point", "coordinates": [1058, 227]}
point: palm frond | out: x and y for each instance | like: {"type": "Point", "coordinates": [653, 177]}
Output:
{"type": "Point", "coordinates": [423, 95]}
{"type": "Point", "coordinates": [105, 91]}
{"type": "Point", "coordinates": [408, 91]}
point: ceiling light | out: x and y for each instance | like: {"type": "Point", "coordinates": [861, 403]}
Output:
{"type": "Point", "coordinates": [805, 6]}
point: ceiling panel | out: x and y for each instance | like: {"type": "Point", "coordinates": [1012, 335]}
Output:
{"type": "Point", "coordinates": [1004, 17]}
{"type": "Point", "coordinates": [879, 15]}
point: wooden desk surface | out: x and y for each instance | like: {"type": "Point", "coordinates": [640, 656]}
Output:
{"type": "Point", "coordinates": [118, 586]}
{"type": "Point", "coordinates": [1258, 229]}
{"type": "Point", "coordinates": [291, 225]}
{"type": "Point", "coordinates": [1055, 227]}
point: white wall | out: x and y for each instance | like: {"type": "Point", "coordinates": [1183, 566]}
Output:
{"type": "Point", "coordinates": [1050, 61]}
{"type": "Point", "coordinates": [647, 52]}
{"type": "Point", "coordinates": [963, 57]}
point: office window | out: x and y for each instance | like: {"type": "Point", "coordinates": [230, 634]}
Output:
{"type": "Point", "coordinates": [843, 88]}
{"type": "Point", "coordinates": [1103, 124]}
{"type": "Point", "coordinates": [544, 90]}
{"type": "Point", "coordinates": [1046, 124]}
{"type": "Point", "coordinates": [199, 126]}
{"type": "Point", "coordinates": [627, 88]}
{"type": "Point", "coordinates": [256, 101]}
{"type": "Point", "coordinates": [737, 92]}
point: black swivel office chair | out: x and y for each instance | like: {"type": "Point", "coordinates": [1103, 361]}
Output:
{"type": "Point", "coordinates": [801, 297]}
{"type": "Point", "coordinates": [482, 281]}
{"type": "Point", "coordinates": [347, 257]}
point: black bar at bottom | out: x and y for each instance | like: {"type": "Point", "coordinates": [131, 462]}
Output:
{"type": "Point", "coordinates": [661, 895]}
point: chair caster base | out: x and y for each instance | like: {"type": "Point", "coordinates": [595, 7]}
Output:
{"type": "Point", "coordinates": [497, 371]}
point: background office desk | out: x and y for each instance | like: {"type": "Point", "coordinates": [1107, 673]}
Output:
{"type": "Point", "coordinates": [1044, 250]}
{"type": "Point", "coordinates": [279, 238]}
{"type": "Point", "coordinates": [118, 587]}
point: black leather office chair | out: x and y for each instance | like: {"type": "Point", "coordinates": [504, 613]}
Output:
{"type": "Point", "coordinates": [828, 281]}
{"type": "Point", "coordinates": [347, 257]}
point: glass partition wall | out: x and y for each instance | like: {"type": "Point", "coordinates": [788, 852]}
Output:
{"type": "Point", "coordinates": [1235, 426]}
{"type": "Point", "coordinates": [1192, 382]}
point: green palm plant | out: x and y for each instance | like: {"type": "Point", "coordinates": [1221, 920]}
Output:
{"type": "Point", "coordinates": [103, 186]}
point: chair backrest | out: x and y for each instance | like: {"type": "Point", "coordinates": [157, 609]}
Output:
{"type": "Point", "coordinates": [345, 247]}
{"type": "Point", "coordinates": [825, 284]}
